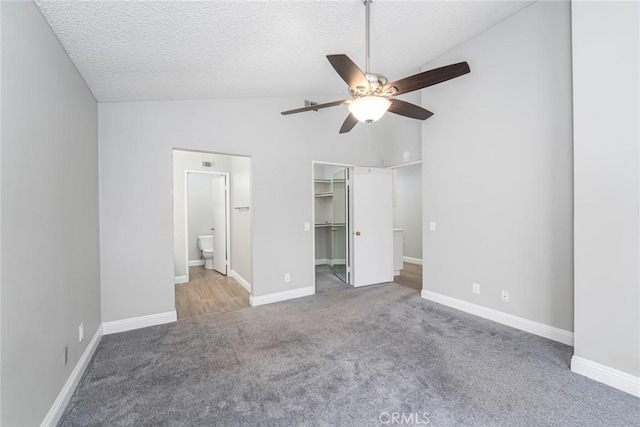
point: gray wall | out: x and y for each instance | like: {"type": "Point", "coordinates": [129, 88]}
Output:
{"type": "Point", "coordinates": [136, 182]}
{"type": "Point", "coordinates": [607, 255]}
{"type": "Point", "coordinates": [50, 262]}
{"type": "Point", "coordinates": [411, 129]}
{"type": "Point", "coordinates": [407, 212]}
{"type": "Point", "coordinates": [497, 171]}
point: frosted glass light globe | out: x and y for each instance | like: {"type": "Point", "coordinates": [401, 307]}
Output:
{"type": "Point", "coordinates": [368, 109]}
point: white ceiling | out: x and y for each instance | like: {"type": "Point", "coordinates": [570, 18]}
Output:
{"type": "Point", "coordinates": [144, 50]}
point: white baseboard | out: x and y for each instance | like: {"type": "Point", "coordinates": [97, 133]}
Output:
{"type": "Point", "coordinates": [322, 261]}
{"type": "Point", "coordinates": [180, 279]}
{"type": "Point", "coordinates": [411, 260]}
{"type": "Point", "coordinates": [138, 322]}
{"type": "Point", "coordinates": [396, 273]}
{"type": "Point", "coordinates": [196, 262]}
{"type": "Point", "coordinates": [281, 296]}
{"type": "Point", "coordinates": [526, 325]}
{"type": "Point", "coordinates": [606, 375]}
{"type": "Point", "coordinates": [60, 404]}
{"type": "Point", "coordinates": [241, 280]}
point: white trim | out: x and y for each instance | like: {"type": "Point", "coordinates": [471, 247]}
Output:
{"type": "Point", "coordinates": [322, 261]}
{"type": "Point", "coordinates": [606, 375]}
{"type": "Point", "coordinates": [526, 325]}
{"type": "Point", "coordinates": [241, 280]}
{"type": "Point", "coordinates": [138, 322]}
{"type": "Point", "coordinates": [60, 404]}
{"type": "Point", "coordinates": [396, 273]}
{"type": "Point", "coordinates": [281, 296]}
{"type": "Point", "coordinates": [196, 262]}
{"type": "Point", "coordinates": [180, 279]}
{"type": "Point", "coordinates": [411, 260]}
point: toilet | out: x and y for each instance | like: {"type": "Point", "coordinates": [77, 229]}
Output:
{"type": "Point", "coordinates": [205, 243]}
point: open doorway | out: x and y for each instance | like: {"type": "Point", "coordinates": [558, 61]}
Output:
{"type": "Point", "coordinates": [353, 220]}
{"type": "Point", "coordinates": [207, 224]}
{"type": "Point", "coordinates": [407, 223]}
{"type": "Point", "coordinates": [212, 232]}
{"type": "Point", "coordinates": [331, 212]}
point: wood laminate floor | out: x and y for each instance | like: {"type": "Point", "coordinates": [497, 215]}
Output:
{"type": "Point", "coordinates": [209, 292]}
{"type": "Point", "coordinates": [410, 275]}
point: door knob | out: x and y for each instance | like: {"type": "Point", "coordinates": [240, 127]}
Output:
{"type": "Point", "coordinates": [357, 233]}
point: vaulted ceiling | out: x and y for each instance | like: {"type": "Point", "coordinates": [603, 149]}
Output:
{"type": "Point", "coordinates": [145, 50]}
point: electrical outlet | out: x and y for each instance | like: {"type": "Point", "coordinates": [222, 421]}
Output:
{"type": "Point", "coordinates": [432, 226]}
{"type": "Point", "coordinates": [307, 226]}
{"type": "Point", "coordinates": [476, 288]}
{"type": "Point", "coordinates": [81, 332]}
{"type": "Point", "coordinates": [65, 355]}
{"type": "Point", "coordinates": [287, 277]}
{"type": "Point", "coordinates": [505, 296]}
{"type": "Point", "coordinates": [406, 155]}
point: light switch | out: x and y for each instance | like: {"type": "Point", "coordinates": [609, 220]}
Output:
{"type": "Point", "coordinates": [406, 155]}
{"type": "Point", "coordinates": [432, 226]}
{"type": "Point", "coordinates": [307, 226]}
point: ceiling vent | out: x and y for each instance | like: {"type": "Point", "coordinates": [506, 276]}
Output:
{"type": "Point", "coordinates": [207, 164]}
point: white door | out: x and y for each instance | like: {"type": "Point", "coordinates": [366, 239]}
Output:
{"type": "Point", "coordinates": [220, 224]}
{"type": "Point", "coordinates": [372, 226]}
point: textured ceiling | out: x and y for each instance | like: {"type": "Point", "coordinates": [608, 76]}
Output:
{"type": "Point", "coordinates": [144, 50]}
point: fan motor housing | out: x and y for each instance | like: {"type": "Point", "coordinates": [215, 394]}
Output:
{"type": "Point", "coordinates": [376, 86]}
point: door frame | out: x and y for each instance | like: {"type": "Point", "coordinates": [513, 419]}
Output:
{"type": "Point", "coordinates": [349, 167]}
{"type": "Point", "coordinates": [423, 222]}
{"type": "Point", "coordinates": [227, 216]}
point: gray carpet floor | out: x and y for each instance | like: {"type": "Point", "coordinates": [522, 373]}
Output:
{"type": "Point", "coordinates": [343, 357]}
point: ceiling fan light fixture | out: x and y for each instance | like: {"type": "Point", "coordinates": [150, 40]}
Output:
{"type": "Point", "coordinates": [369, 109]}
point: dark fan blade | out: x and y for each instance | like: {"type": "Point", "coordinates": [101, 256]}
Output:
{"type": "Point", "coordinates": [429, 78]}
{"type": "Point", "coordinates": [313, 107]}
{"type": "Point", "coordinates": [409, 110]}
{"type": "Point", "coordinates": [349, 123]}
{"type": "Point", "coordinates": [349, 71]}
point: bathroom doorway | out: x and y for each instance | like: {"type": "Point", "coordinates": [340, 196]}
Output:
{"type": "Point", "coordinates": [212, 232]}
{"type": "Point", "coordinates": [207, 221]}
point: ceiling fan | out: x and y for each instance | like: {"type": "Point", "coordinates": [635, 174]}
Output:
{"type": "Point", "coordinates": [372, 95]}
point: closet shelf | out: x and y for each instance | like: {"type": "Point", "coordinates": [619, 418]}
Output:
{"type": "Point", "coordinates": [324, 194]}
